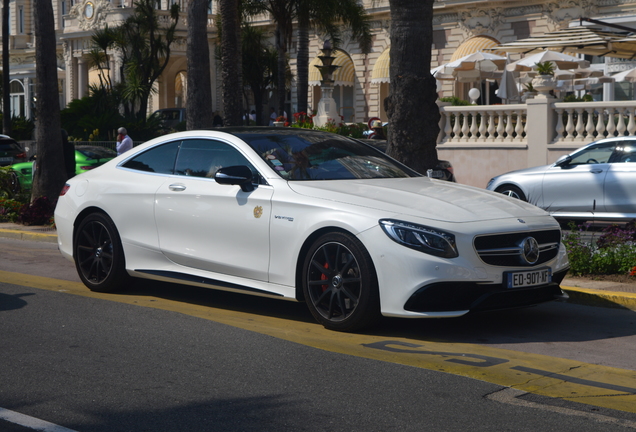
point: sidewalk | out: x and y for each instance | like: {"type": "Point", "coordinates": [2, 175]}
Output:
{"type": "Point", "coordinates": [581, 290]}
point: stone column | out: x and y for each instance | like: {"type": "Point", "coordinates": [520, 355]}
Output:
{"type": "Point", "coordinates": [82, 77]}
{"type": "Point", "coordinates": [540, 129]}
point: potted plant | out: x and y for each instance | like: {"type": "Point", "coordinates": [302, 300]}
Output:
{"type": "Point", "coordinates": [544, 82]}
{"type": "Point", "coordinates": [529, 91]}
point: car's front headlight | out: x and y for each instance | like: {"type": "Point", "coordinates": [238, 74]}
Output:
{"type": "Point", "coordinates": [422, 238]}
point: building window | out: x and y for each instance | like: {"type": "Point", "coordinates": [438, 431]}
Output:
{"type": "Point", "coordinates": [63, 7]}
{"type": "Point", "coordinates": [21, 20]}
{"type": "Point", "coordinates": [209, 7]}
{"type": "Point", "coordinates": [16, 89]}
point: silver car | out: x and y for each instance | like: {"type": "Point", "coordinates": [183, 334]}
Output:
{"type": "Point", "coordinates": [598, 181]}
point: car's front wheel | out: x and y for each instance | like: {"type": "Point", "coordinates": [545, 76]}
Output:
{"type": "Point", "coordinates": [512, 191]}
{"type": "Point", "coordinates": [340, 284]}
{"type": "Point", "coordinates": [99, 256]}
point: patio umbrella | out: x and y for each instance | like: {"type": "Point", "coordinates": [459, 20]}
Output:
{"type": "Point", "coordinates": [626, 76]}
{"type": "Point", "coordinates": [559, 60]}
{"type": "Point", "coordinates": [508, 89]}
{"type": "Point", "coordinates": [474, 67]}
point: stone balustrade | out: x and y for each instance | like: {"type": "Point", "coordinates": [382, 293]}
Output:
{"type": "Point", "coordinates": [484, 141]}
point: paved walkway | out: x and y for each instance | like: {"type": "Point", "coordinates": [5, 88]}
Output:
{"type": "Point", "coordinates": [581, 290]}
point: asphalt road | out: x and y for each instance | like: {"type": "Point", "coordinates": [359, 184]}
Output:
{"type": "Point", "coordinates": [171, 358]}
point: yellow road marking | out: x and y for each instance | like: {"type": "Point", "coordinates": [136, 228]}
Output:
{"type": "Point", "coordinates": [534, 373]}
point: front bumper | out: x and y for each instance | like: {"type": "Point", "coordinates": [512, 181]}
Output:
{"type": "Point", "coordinates": [473, 297]}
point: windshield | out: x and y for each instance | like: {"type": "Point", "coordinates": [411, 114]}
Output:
{"type": "Point", "coordinates": [296, 154]}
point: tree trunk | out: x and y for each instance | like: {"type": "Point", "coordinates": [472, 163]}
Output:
{"type": "Point", "coordinates": [302, 63]}
{"type": "Point", "coordinates": [50, 174]}
{"type": "Point", "coordinates": [199, 87]}
{"type": "Point", "coordinates": [411, 108]}
{"type": "Point", "coordinates": [6, 91]}
{"type": "Point", "coordinates": [281, 47]}
{"type": "Point", "coordinates": [230, 63]}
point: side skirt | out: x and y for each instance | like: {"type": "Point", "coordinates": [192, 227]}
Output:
{"type": "Point", "coordinates": [176, 277]}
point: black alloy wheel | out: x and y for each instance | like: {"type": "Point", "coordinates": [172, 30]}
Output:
{"type": "Point", "coordinates": [99, 256]}
{"type": "Point", "coordinates": [340, 283]}
{"type": "Point", "coordinates": [512, 191]}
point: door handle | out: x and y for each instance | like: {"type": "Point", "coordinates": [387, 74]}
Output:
{"type": "Point", "coordinates": [177, 187]}
{"type": "Point", "coordinates": [596, 171]}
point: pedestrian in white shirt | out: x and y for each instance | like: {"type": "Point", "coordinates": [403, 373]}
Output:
{"type": "Point", "coordinates": [124, 142]}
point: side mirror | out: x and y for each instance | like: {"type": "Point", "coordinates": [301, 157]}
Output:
{"type": "Point", "coordinates": [563, 160]}
{"type": "Point", "coordinates": [235, 175]}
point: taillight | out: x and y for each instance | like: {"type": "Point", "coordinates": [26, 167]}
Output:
{"type": "Point", "coordinates": [65, 189]}
{"type": "Point", "coordinates": [21, 155]}
{"type": "Point", "coordinates": [86, 168]}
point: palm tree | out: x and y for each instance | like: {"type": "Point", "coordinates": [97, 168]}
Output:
{"type": "Point", "coordinates": [231, 62]}
{"type": "Point", "coordinates": [283, 12]}
{"type": "Point", "coordinates": [412, 90]}
{"type": "Point", "coordinates": [199, 87]}
{"type": "Point", "coordinates": [6, 96]}
{"type": "Point", "coordinates": [50, 176]}
{"type": "Point", "coordinates": [144, 45]}
{"type": "Point", "coordinates": [259, 65]}
{"type": "Point", "coordinates": [326, 15]}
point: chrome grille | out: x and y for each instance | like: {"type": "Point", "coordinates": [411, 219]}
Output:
{"type": "Point", "coordinates": [506, 250]}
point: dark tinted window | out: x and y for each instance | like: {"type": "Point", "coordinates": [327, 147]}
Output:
{"type": "Point", "coordinates": [300, 155]}
{"type": "Point", "coordinates": [626, 152]}
{"type": "Point", "coordinates": [158, 159]}
{"type": "Point", "coordinates": [203, 157]}
{"type": "Point", "coordinates": [95, 152]}
{"type": "Point", "coordinates": [9, 144]}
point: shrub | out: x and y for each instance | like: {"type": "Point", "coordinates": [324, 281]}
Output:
{"type": "Point", "coordinates": [10, 209]}
{"type": "Point", "coordinates": [38, 212]}
{"type": "Point", "coordinates": [614, 252]}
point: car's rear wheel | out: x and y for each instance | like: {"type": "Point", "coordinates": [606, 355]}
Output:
{"type": "Point", "coordinates": [512, 191]}
{"type": "Point", "coordinates": [99, 256]}
{"type": "Point", "coordinates": [340, 283]}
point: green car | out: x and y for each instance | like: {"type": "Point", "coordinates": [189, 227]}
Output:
{"type": "Point", "coordinates": [86, 158]}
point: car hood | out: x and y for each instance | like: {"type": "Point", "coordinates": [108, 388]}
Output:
{"type": "Point", "coordinates": [526, 171]}
{"type": "Point", "coordinates": [419, 197]}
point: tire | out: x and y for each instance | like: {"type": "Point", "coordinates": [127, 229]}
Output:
{"type": "Point", "coordinates": [15, 183]}
{"type": "Point", "coordinates": [512, 191]}
{"type": "Point", "coordinates": [99, 256]}
{"type": "Point", "coordinates": [340, 283]}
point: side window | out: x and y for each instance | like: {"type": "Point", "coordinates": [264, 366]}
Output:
{"type": "Point", "coordinates": [203, 157]}
{"type": "Point", "coordinates": [158, 159]}
{"type": "Point", "coordinates": [627, 153]}
{"type": "Point", "coordinates": [597, 154]}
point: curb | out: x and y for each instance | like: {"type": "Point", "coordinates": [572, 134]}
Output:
{"type": "Point", "coordinates": [600, 298]}
{"type": "Point", "coordinates": [582, 296]}
{"type": "Point", "coordinates": [27, 235]}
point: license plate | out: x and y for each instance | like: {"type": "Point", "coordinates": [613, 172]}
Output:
{"type": "Point", "coordinates": [531, 278]}
{"type": "Point", "coordinates": [437, 174]}
{"type": "Point", "coordinates": [6, 159]}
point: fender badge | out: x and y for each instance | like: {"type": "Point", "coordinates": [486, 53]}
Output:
{"type": "Point", "coordinates": [258, 212]}
{"type": "Point", "coordinates": [521, 221]}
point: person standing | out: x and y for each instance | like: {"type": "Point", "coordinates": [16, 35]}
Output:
{"type": "Point", "coordinates": [69, 155]}
{"type": "Point", "coordinates": [124, 142]}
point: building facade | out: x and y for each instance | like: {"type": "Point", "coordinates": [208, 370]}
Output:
{"type": "Point", "coordinates": [361, 82]}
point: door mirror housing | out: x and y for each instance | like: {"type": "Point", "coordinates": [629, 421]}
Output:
{"type": "Point", "coordinates": [235, 175]}
{"type": "Point", "coordinates": [563, 160]}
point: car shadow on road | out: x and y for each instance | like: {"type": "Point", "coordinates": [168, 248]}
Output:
{"type": "Point", "coordinates": [548, 322]}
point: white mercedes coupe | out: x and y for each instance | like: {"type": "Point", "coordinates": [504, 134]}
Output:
{"type": "Point", "coordinates": [309, 216]}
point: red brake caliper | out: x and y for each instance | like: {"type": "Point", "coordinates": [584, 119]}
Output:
{"type": "Point", "coordinates": [324, 277]}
